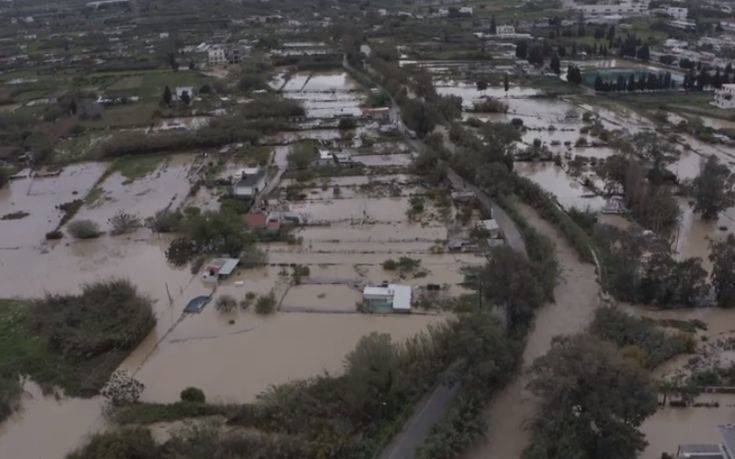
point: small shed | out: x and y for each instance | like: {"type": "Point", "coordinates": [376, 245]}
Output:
{"type": "Point", "coordinates": [220, 268]}
{"type": "Point", "coordinates": [491, 226]}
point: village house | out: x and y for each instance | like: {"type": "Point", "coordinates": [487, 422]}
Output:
{"type": "Point", "coordinates": [394, 297]}
{"type": "Point", "coordinates": [216, 55]}
{"type": "Point", "coordinates": [380, 114]}
{"type": "Point", "coordinates": [725, 97]}
{"type": "Point", "coordinates": [624, 8]}
{"type": "Point", "coordinates": [219, 268]}
{"type": "Point", "coordinates": [678, 13]}
{"type": "Point", "coordinates": [249, 182]}
{"type": "Point", "coordinates": [724, 450]}
{"type": "Point", "coordinates": [505, 29]}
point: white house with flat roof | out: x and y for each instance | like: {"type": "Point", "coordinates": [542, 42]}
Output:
{"type": "Point", "coordinates": [393, 296]}
{"type": "Point", "coordinates": [676, 12]}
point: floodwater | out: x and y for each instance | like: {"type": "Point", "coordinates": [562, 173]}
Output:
{"type": "Point", "coordinates": [39, 196]}
{"type": "Point", "coordinates": [322, 297]}
{"type": "Point", "coordinates": [554, 179]}
{"type": "Point", "coordinates": [47, 426]}
{"type": "Point", "coordinates": [324, 95]}
{"type": "Point", "coordinates": [669, 427]}
{"type": "Point", "coordinates": [470, 94]}
{"type": "Point", "coordinates": [695, 234]}
{"type": "Point", "coordinates": [577, 297]}
{"type": "Point", "coordinates": [166, 187]}
{"type": "Point", "coordinates": [261, 351]}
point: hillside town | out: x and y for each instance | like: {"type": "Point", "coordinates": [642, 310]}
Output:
{"type": "Point", "coordinates": [481, 229]}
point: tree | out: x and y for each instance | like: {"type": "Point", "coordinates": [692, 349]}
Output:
{"type": "Point", "coordinates": [508, 281]}
{"type": "Point", "coordinates": [418, 117]}
{"type": "Point", "coordinates": [167, 95]}
{"type": "Point", "coordinates": [506, 83]}
{"type": "Point", "coordinates": [555, 64]}
{"type": "Point", "coordinates": [193, 395]}
{"type": "Point", "coordinates": [592, 402]}
{"type": "Point", "coordinates": [372, 373]}
{"type": "Point", "coordinates": [122, 389]}
{"type": "Point", "coordinates": [493, 26]}
{"type": "Point", "coordinates": [185, 98]}
{"type": "Point", "coordinates": [522, 50]}
{"type": "Point", "coordinates": [722, 256]}
{"type": "Point", "coordinates": [713, 189]}
{"type": "Point", "coordinates": [574, 75]}
{"type": "Point", "coordinates": [4, 176]}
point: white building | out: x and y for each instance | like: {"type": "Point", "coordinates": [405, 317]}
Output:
{"type": "Point", "coordinates": [249, 182]}
{"type": "Point", "coordinates": [397, 297]}
{"type": "Point", "coordinates": [466, 10]}
{"type": "Point", "coordinates": [676, 12]}
{"type": "Point", "coordinates": [503, 30]}
{"type": "Point", "coordinates": [624, 8]}
{"type": "Point", "coordinates": [725, 97]}
{"type": "Point", "coordinates": [216, 55]}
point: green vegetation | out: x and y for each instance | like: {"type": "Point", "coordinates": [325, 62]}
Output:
{"type": "Point", "coordinates": [126, 443]}
{"type": "Point", "coordinates": [266, 304]}
{"type": "Point", "coordinates": [15, 215]}
{"type": "Point", "coordinates": [655, 278]}
{"type": "Point", "coordinates": [592, 401]}
{"type": "Point", "coordinates": [149, 413]}
{"type": "Point", "coordinates": [722, 255]}
{"type": "Point", "coordinates": [403, 264]}
{"type": "Point", "coordinates": [640, 337]}
{"type": "Point", "coordinates": [348, 416]}
{"type": "Point", "coordinates": [713, 189]}
{"type": "Point", "coordinates": [193, 395]}
{"type": "Point", "coordinates": [135, 167]}
{"type": "Point", "coordinates": [84, 229]}
{"type": "Point", "coordinates": [226, 304]}
{"type": "Point", "coordinates": [70, 341]}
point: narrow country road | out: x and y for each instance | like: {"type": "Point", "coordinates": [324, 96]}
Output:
{"type": "Point", "coordinates": [577, 296]}
{"type": "Point", "coordinates": [431, 408]}
{"type": "Point", "coordinates": [416, 429]}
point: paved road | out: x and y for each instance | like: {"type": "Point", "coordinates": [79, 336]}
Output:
{"type": "Point", "coordinates": [511, 232]}
{"type": "Point", "coordinates": [416, 429]}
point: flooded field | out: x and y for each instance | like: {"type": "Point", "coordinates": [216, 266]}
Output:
{"type": "Point", "coordinates": [554, 179]}
{"type": "Point", "coordinates": [324, 95]}
{"type": "Point", "coordinates": [669, 427]}
{"type": "Point", "coordinates": [164, 187]}
{"type": "Point", "coordinates": [62, 423]}
{"type": "Point", "coordinates": [39, 197]}
{"type": "Point", "coordinates": [237, 362]}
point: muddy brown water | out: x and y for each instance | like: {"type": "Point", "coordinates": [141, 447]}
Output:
{"type": "Point", "coordinates": [577, 297]}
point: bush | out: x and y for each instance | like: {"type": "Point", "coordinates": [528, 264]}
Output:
{"type": "Point", "coordinates": [123, 223]}
{"type": "Point", "coordinates": [266, 304]}
{"type": "Point", "coordinates": [53, 235]}
{"type": "Point", "coordinates": [119, 444]}
{"type": "Point", "coordinates": [226, 304]}
{"type": "Point", "coordinates": [4, 176]}
{"type": "Point", "coordinates": [193, 395]}
{"type": "Point", "coordinates": [347, 123]}
{"type": "Point", "coordinates": [92, 331]}
{"type": "Point", "coordinates": [84, 229]}
{"type": "Point", "coordinates": [165, 221]}
{"type": "Point", "coordinates": [627, 331]}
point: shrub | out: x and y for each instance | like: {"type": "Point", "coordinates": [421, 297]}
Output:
{"type": "Point", "coordinates": [248, 300]}
{"type": "Point", "coordinates": [123, 223]}
{"type": "Point", "coordinates": [52, 235]}
{"type": "Point", "coordinates": [165, 221]}
{"type": "Point", "coordinates": [266, 304]}
{"type": "Point", "coordinates": [226, 303]}
{"type": "Point", "coordinates": [4, 176]}
{"type": "Point", "coordinates": [84, 229]}
{"type": "Point", "coordinates": [193, 395]}
{"type": "Point", "coordinates": [347, 123]}
{"type": "Point", "coordinates": [119, 444]}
